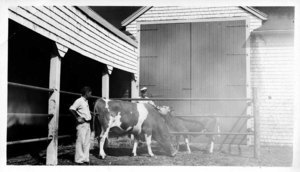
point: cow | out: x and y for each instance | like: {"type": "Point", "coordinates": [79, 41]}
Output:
{"type": "Point", "coordinates": [180, 124]}
{"type": "Point", "coordinates": [139, 119]}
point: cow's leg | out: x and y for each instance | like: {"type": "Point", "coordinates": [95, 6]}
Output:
{"type": "Point", "coordinates": [211, 148]}
{"type": "Point", "coordinates": [187, 144]}
{"type": "Point", "coordinates": [103, 137]}
{"type": "Point", "coordinates": [177, 141]}
{"type": "Point", "coordinates": [148, 142]}
{"type": "Point", "coordinates": [135, 144]}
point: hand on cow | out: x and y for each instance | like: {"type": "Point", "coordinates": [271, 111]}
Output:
{"type": "Point", "coordinates": [80, 120]}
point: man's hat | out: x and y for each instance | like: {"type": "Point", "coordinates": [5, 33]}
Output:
{"type": "Point", "coordinates": [144, 89]}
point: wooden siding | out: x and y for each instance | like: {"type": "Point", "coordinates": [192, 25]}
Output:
{"type": "Point", "coordinates": [272, 60]}
{"type": "Point", "coordinates": [73, 29]}
{"type": "Point", "coordinates": [166, 13]}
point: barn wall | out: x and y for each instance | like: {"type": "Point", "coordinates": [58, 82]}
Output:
{"type": "Point", "coordinates": [165, 13]}
{"type": "Point", "coordinates": [272, 73]}
{"type": "Point", "coordinates": [75, 30]}
{"type": "Point", "coordinates": [271, 57]}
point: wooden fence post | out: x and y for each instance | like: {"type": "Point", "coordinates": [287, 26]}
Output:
{"type": "Point", "coordinates": [256, 123]}
{"type": "Point", "coordinates": [53, 106]}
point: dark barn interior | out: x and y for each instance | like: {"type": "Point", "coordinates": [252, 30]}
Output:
{"type": "Point", "coordinates": [120, 84]}
{"type": "Point", "coordinates": [29, 63]}
{"type": "Point", "coordinates": [77, 71]}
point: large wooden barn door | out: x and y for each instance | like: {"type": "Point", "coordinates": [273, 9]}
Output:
{"type": "Point", "coordinates": [196, 60]}
{"type": "Point", "coordinates": [165, 62]}
{"type": "Point", "coordinates": [219, 69]}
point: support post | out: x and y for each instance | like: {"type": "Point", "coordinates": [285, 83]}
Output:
{"type": "Point", "coordinates": [256, 123]}
{"type": "Point", "coordinates": [105, 85]}
{"type": "Point", "coordinates": [134, 88]}
{"type": "Point", "coordinates": [53, 104]}
{"type": "Point", "coordinates": [53, 110]}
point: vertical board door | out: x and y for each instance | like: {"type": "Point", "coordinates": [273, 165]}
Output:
{"type": "Point", "coordinates": [165, 63]}
{"type": "Point", "coordinates": [218, 68]}
{"type": "Point", "coordinates": [197, 60]}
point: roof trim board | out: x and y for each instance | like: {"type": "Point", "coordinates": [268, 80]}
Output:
{"type": "Point", "coordinates": [135, 15]}
{"type": "Point", "coordinates": [142, 10]}
{"type": "Point", "coordinates": [93, 15]}
{"type": "Point", "coordinates": [255, 12]}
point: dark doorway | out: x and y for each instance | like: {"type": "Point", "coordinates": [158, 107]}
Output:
{"type": "Point", "coordinates": [120, 84]}
{"type": "Point", "coordinates": [77, 71]}
{"type": "Point", "coordinates": [28, 63]}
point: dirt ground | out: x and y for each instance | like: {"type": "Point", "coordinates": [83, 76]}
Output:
{"type": "Point", "coordinates": [120, 155]}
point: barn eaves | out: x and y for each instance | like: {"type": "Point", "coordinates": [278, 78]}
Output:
{"type": "Point", "coordinates": [93, 15]}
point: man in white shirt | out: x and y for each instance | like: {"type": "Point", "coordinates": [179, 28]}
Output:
{"type": "Point", "coordinates": [80, 109]}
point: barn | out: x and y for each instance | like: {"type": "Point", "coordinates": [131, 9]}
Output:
{"type": "Point", "coordinates": [53, 51]}
{"type": "Point", "coordinates": [181, 53]}
{"type": "Point", "coordinates": [217, 52]}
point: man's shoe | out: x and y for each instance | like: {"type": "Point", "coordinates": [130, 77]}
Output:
{"type": "Point", "coordinates": [86, 163]}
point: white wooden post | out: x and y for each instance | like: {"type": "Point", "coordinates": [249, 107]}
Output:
{"type": "Point", "coordinates": [256, 116]}
{"type": "Point", "coordinates": [105, 84]}
{"type": "Point", "coordinates": [53, 107]}
{"type": "Point", "coordinates": [134, 88]}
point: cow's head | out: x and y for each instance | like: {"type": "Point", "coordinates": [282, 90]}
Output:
{"type": "Point", "coordinates": [165, 110]}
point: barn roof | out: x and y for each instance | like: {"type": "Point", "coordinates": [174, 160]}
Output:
{"type": "Point", "coordinates": [92, 14]}
{"type": "Point", "coordinates": [142, 10]}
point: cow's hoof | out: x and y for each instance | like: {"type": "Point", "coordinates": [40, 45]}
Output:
{"type": "Point", "coordinates": [133, 154]}
{"type": "Point", "coordinates": [102, 156]}
{"type": "Point", "coordinates": [151, 155]}
{"type": "Point", "coordinates": [173, 153]}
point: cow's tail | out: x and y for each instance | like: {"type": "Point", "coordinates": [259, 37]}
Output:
{"type": "Point", "coordinates": [218, 126]}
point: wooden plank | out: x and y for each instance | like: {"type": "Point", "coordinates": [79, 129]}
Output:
{"type": "Point", "coordinates": [211, 133]}
{"type": "Point", "coordinates": [29, 24]}
{"type": "Point", "coordinates": [53, 110]}
{"type": "Point", "coordinates": [34, 140]}
{"type": "Point", "coordinates": [27, 114]}
{"type": "Point", "coordinates": [40, 27]}
{"type": "Point", "coordinates": [22, 18]}
{"type": "Point", "coordinates": [194, 99]}
{"type": "Point", "coordinates": [95, 25]}
{"type": "Point", "coordinates": [90, 25]}
{"type": "Point", "coordinates": [37, 22]}
{"type": "Point", "coordinates": [257, 153]}
{"type": "Point", "coordinates": [29, 86]}
{"type": "Point", "coordinates": [134, 89]}
{"type": "Point", "coordinates": [108, 26]}
{"type": "Point", "coordinates": [61, 29]}
{"type": "Point", "coordinates": [73, 22]}
{"type": "Point", "coordinates": [163, 21]}
{"type": "Point", "coordinates": [105, 85]}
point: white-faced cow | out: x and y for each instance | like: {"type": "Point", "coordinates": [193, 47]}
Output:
{"type": "Point", "coordinates": [180, 124]}
{"type": "Point", "coordinates": [138, 119]}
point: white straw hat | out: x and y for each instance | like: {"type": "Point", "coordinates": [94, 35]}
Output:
{"type": "Point", "coordinates": [144, 88]}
